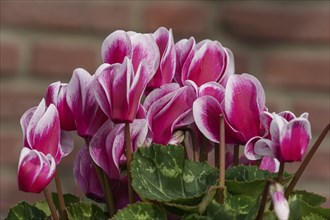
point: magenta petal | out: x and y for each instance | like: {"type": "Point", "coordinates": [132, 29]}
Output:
{"type": "Point", "coordinates": [242, 92]}
{"type": "Point", "coordinates": [183, 49]}
{"type": "Point", "coordinates": [207, 112]}
{"type": "Point", "coordinates": [145, 47]}
{"type": "Point", "coordinates": [207, 64]}
{"type": "Point", "coordinates": [139, 131]}
{"type": "Point", "coordinates": [35, 170]}
{"type": "Point", "coordinates": [269, 163]}
{"type": "Point", "coordinates": [212, 89]}
{"type": "Point", "coordinates": [85, 175]}
{"type": "Point", "coordinates": [67, 142]}
{"type": "Point", "coordinates": [266, 119]}
{"type": "Point", "coordinates": [287, 115]}
{"type": "Point", "coordinates": [166, 69]}
{"type": "Point", "coordinates": [159, 93]}
{"type": "Point", "coordinates": [294, 140]}
{"type": "Point", "coordinates": [116, 47]}
{"type": "Point", "coordinates": [137, 88]}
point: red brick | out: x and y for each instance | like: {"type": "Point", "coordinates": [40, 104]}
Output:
{"type": "Point", "coordinates": [182, 18]}
{"type": "Point", "coordinates": [66, 15]}
{"type": "Point", "coordinates": [267, 22]}
{"type": "Point", "coordinates": [56, 59]}
{"type": "Point", "coordinates": [309, 71]}
{"type": "Point", "coordinates": [319, 111]}
{"type": "Point", "coordinates": [17, 98]}
{"type": "Point", "coordinates": [11, 144]}
{"type": "Point", "coordinates": [9, 58]}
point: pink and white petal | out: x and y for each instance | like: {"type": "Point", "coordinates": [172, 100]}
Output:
{"type": "Point", "coordinates": [67, 142]}
{"type": "Point", "coordinates": [266, 119]}
{"type": "Point", "coordinates": [25, 120]}
{"type": "Point", "coordinates": [98, 144]}
{"type": "Point", "coordinates": [47, 133]}
{"type": "Point", "coordinates": [207, 111]}
{"type": "Point", "coordinates": [249, 152]}
{"type": "Point", "coordinates": [52, 93]}
{"type": "Point", "coordinates": [186, 118]}
{"type": "Point", "coordinates": [141, 112]}
{"type": "Point", "coordinates": [156, 94]}
{"type": "Point", "coordinates": [304, 115]}
{"type": "Point", "coordinates": [139, 132]}
{"type": "Point", "coordinates": [137, 88]}
{"type": "Point", "coordinates": [76, 92]}
{"type": "Point", "coordinates": [281, 206]}
{"type": "Point", "coordinates": [115, 149]}
{"type": "Point", "coordinates": [276, 126]}
{"type": "Point", "coordinates": [102, 86]}
{"type": "Point", "coordinates": [207, 64]}
{"type": "Point", "coordinates": [294, 139]}
{"type": "Point", "coordinates": [183, 49]}
{"type": "Point", "coordinates": [47, 172]}
{"type": "Point", "coordinates": [269, 163]}
{"type": "Point", "coordinates": [212, 89]}
{"type": "Point", "coordinates": [287, 115]}
{"type": "Point", "coordinates": [145, 47]}
{"type": "Point", "coordinates": [116, 47]}
{"type": "Point", "coordinates": [230, 67]}
{"type": "Point", "coordinates": [265, 147]}
{"type": "Point", "coordinates": [177, 137]}
{"type": "Point", "coordinates": [241, 91]}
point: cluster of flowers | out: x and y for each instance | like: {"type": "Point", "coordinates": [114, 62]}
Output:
{"type": "Point", "coordinates": [160, 88]}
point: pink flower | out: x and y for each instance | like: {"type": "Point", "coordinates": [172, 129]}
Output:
{"type": "Point", "coordinates": [168, 109]}
{"type": "Point", "coordinates": [137, 47]}
{"type": "Point", "coordinates": [35, 170]}
{"type": "Point", "coordinates": [56, 94]}
{"type": "Point", "coordinates": [87, 113]}
{"type": "Point", "coordinates": [118, 89]}
{"type": "Point", "coordinates": [287, 141]}
{"type": "Point", "coordinates": [203, 62]}
{"type": "Point", "coordinates": [166, 69]}
{"type": "Point", "coordinates": [85, 175]}
{"type": "Point", "coordinates": [107, 146]}
{"type": "Point", "coordinates": [41, 131]}
{"type": "Point", "coordinates": [281, 205]}
{"type": "Point", "coordinates": [241, 92]}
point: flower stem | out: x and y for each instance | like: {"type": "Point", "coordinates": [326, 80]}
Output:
{"type": "Point", "coordinates": [109, 195]}
{"type": "Point", "coordinates": [236, 154]}
{"type": "Point", "coordinates": [222, 157]}
{"type": "Point", "coordinates": [194, 142]}
{"type": "Point", "coordinates": [203, 152]}
{"type": "Point", "coordinates": [63, 214]}
{"type": "Point", "coordinates": [217, 156]}
{"type": "Point", "coordinates": [50, 203]}
{"type": "Point", "coordinates": [306, 161]}
{"type": "Point", "coordinates": [128, 161]}
{"type": "Point", "coordinates": [280, 173]}
{"type": "Point", "coordinates": [263, 200]}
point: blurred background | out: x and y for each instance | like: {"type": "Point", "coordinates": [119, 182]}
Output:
{"type": "Point", "coordinates": [283, 43]}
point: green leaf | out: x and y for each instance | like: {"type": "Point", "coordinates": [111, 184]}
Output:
{"type": "Point", "coordinates": [244, 207]}
{"type": "Point", "coordinates": [195, 216]}
{"type": "Point", "coordinates": [25, 211]}
{"type": "Point", "coordinates": [160, 173]}
{"type": "Point", "coordinates": [43, 206]}
{"type": "Point", "coordinates": [249, 180]}
{"type": "Point", "coordinates": [85, 211]}
{"type": "Point", "coordinates": [300, 209]}
{"type": "Point", "coordinates": [310, 198]}
{"type": "Point", "coordinates": [218, 211]}
{"type": "Point", "coordinates": [199, 208]}
{"type": "Point", "coordinates": [140, 211]}
{"type": "Point", "coordinates": [313, 216]}
{"type": "Point", "coordinates": [68, 199]}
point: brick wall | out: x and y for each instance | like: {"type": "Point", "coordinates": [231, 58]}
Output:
{"type": "Point", "coordinates": [285, 44]}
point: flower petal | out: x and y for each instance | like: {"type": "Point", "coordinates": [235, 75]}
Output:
{"type": "Point", "coordinates": [244, 91]}
{"type": "Point", "coordinates": [207, 111]}
{"type": "Point", "coordinates": [281, 206]}
{"type": "Point", "coordinates": [294, 140]}
{"type": "Point", "coordinates": [25, 120]}
{"type": "Point", "coordinates": [116, 47]}
{"type": "Point", "coordinates": [212, 89]}
{"type": "Point", "coordinates": [269, 163]}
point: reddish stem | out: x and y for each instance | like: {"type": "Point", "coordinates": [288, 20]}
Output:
{"type": "Point", "coordinates": [128, 161]}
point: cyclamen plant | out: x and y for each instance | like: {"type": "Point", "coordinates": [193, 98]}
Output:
{"type": "Point", "coordinates": [149, 116]}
